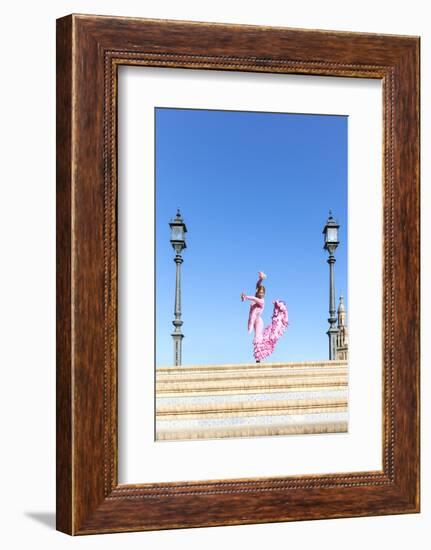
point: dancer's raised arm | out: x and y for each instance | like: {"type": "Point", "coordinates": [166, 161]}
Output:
{"type": "Point", "coordinates": [262, 277]}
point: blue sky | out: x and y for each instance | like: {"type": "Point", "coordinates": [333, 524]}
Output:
{"type": "Point", "coordinates": [254, 190]}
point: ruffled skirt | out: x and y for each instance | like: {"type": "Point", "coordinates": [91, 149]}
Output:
{"type": "Point", "coordinates": [264, 345]}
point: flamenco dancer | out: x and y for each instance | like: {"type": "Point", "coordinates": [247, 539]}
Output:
{"type": "Point", "coordinates": [265, 339]}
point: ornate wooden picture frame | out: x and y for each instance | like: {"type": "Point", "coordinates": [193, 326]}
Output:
{"type": "Point", "coordinates": [89, 51]}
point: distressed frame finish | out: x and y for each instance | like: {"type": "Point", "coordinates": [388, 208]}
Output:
{"type": "Point", "coordinates": [89, 51]}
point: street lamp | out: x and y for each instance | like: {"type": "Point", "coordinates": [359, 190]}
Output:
{"type": "Point", "coordinates": [330, 232]}
{"type": "Point", "coordinates": [178, 242]}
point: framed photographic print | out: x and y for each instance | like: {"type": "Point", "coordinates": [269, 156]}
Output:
{"type": "Point", "coordinates": [237, 274]}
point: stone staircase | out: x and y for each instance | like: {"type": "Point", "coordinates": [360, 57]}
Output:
{"type": "Point", "coordinates": [248, 400]}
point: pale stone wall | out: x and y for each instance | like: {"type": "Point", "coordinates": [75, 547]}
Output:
{"type": "Point", "coordinates": [247, 400]}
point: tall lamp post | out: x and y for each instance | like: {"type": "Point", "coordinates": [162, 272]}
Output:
{"type": "Point", "coordinates": [178, 242]}
{"type": "Point", "coordinates": [330, 232]}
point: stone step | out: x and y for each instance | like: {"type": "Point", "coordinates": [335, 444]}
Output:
{"type": "Point", "coordinates": [234, 408]}
{"type": "Point", "coordinates": [249, 400]}
{"type": "Point", "coordinates": [203, 400]}
{"type": "Point", "coordinates": [248, 375]}
{"type": "Point", "coordinates": [253, 385]}
{"type": "Point", "coordinates": [251, 431]}
{"type": "Point", "coordinates": [190, 369]}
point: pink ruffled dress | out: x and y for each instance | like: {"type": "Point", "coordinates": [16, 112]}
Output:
{"type": "Point", "coordinates": [265, 339]}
